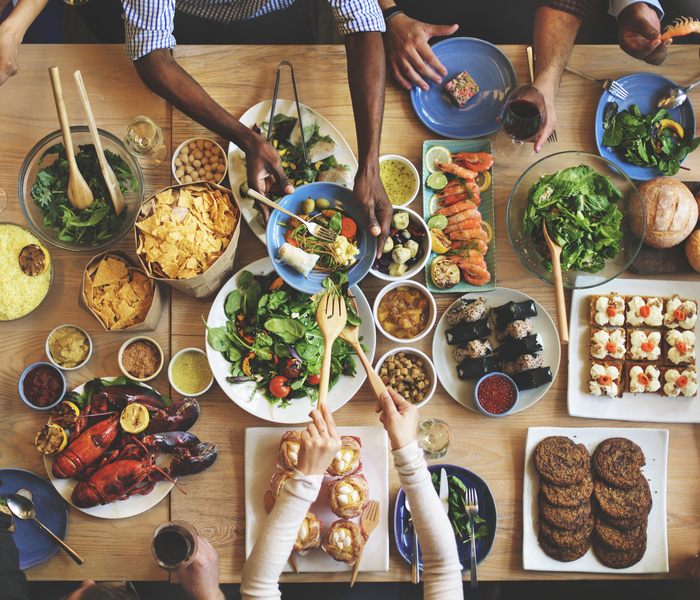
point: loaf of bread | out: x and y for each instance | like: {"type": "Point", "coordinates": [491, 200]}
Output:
{"type": "Point", "coordinates": [670, 209]}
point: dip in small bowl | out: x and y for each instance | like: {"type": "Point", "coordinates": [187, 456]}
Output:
{"type": "Point", "coordinates": [69, 347]}
{"type": "Point", "coordinates": [496, 395]}
{"type": "Point", "coordinates": [189, 372]}
{"type": "Point", "coordinates": [141, 358]}
{"type": "Point", "coordinates": [400, 178]}
{"type": "Point", "coordinates": [42, 386]}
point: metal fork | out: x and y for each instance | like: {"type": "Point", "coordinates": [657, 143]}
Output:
{"type": "Point", "coordinates": [471, 503]}
{"type": "Point", "coordinates": [322, 233]}
{"type": "Point", "coordinates": [531, 67]}
{"type": "Point", "coordinates": [610, 85]}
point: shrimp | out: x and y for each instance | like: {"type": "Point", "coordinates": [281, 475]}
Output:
{"type": "Point", "coordinates": [682, 26]}
{"type": "Point", "coordinates": [469, 234]}
{"type": "Point", "coordinates": [468, 224]}
{"type": "Point", "coordinates": [457, 191]}
{"type": "Point", "coordinates": [448, 211]}
{"type": "Point", "coordinates": [455, 169]}
{"type": "Point", "coordinates": [475, 274]}
{"type": "Point", "coordinates": [470, 214]}
{"type": "Point", "coordinates": [476, 161]}
{"type": "Point", "coordinates": [476, 244]}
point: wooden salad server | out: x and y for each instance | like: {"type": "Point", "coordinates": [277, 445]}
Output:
{"type": "Point", "coordinates": [555, 251]}
{"type": "Point", "coordinates": [331, 316]}
{"type": "Point", "coordinates": [368, 522]}
{"type": "Point", "coordinates": [79, 192]}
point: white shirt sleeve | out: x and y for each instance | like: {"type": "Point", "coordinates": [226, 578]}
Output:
{"type": "Point", "coordinates": [617, 6]}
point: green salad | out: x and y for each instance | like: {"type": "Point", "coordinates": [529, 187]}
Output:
{"type": "Point", "coordinates": [457, 509]}
{"type": "Point", "coordinates": [272, 338]}
{"type": "Point", "coordinates": [579, 207]}
{"type": "Point", "coordinates": [98, 221]}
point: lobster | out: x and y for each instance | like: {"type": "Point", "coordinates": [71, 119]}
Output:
{"type": "Point", "coordinates": [86, 449]}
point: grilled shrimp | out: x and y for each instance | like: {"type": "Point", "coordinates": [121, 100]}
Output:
{"type": "Point", "coordinates": [453, 209]}
{"type": "Point", "coordinates": [455, 169]}
{"type": "Point", "coordinates": [476, 161]}
{"type": "Point", "coordinates": [682, 26]}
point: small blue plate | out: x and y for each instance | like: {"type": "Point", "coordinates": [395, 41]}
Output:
{"type": "Point", "coordinates": [340, 198]}
{"type": "Point", "coordinates": [36, 546]}
{"type": "Point", "coordinates": [488, 67]}
{"type": "Point", "coordinates": [644, 90]}
{"type": "Point", "coordinates": [487, 511]}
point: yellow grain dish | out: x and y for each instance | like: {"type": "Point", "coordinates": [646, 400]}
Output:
{"type": "Point", "coordinates": [20, 293]}
{"type": "Point", "coordinates": [404, 312]}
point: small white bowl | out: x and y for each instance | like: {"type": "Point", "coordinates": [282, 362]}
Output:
{"type": "Point", "coordinates": [176, 155]}
{"type": "Point", "coordinates": [170, 372]}
{"type": "Point", "coordinates": [416, 220]}
{"type": "Point", "coordinates": [141, 338]}
{"type": "Point", "coordinates": [87, 358]}
{"type": "Point", "coordinates": [429, 367]}
{"type": "Point", "coordinates": [432, 308]}
{"type": "Point", "coordinates": [416, 178]}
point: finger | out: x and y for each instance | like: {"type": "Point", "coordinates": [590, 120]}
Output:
{"type": "Point", "coordinates": [432, 60]}
{"type": "Point", "coordinates": [389, 402]}
{"type": "Point", "coordinates": [410, 73]}
{"type": "Point", "coordinates": [539, 142]}
{"type": "Point", "coordinates": [428, 65]}
{"type": "Point", "coordinates": [311, 431]}
{"type": "Point", "coordinates": [398, 75]}
{"type": "Point", "coordinates": [371, 220]}
{"type": "Point", "coordinates": [319, 421]}
{"type": "Point", "coordinates": [330, 422]}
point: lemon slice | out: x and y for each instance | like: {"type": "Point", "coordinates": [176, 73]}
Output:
{"type": "Point", "coordinates": [483, 180]}
{"type": "Point", "coordinates": [488, 229]}
{"type": "Point", "coordinates": [436, 181]}
{"type": "Point", "coordinates": [444, 273]}
{"type": "Point", "coordinates": [51, 439]}
{"type": "Point", "coordinates": [437, 222]}
{"type": "Point", "coordinates": [134, 418]}
{"type": "Point", "coordinates": [440, 243]}
{"type": "Point", "coordinates": [437, 154]}
{"type": "Point", "coordinates": [64, 414]}
{"type": "Point", "coordinates": [34, 260]}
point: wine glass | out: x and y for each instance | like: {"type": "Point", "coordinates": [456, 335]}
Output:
{"type": "Point", "coordinates": [522, 119]}
{"type": "Point", "coordinates": [434, 438]}
{"type": "Point", "coordinates": [174, 545]}
{"type": "Point", "coordinates": [144, 139]}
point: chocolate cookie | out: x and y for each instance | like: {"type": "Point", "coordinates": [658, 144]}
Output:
{"type": "Point", "coordinates": [618, 460]}
{"type": "Point", "coordinates": [560, 461]}
{"type": "Point", "coordinates": [567, 554]}
{"type": "Point", "coordinates": [567, 537]}
{"type": "Point", "coordinates": [569, 495]}
{"type": "Point", "coordinates": [621, 559]}
{"type": "Point", "coordinates": [622, 503]}
{"type": "Point", "coordinates": [618, 539]}
{"type": "Point", "coordinates": [564, 518]}
{"type": "Point", "coordinates": [626, 524]}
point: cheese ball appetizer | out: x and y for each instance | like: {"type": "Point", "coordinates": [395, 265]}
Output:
{"type": "Point", "coordinates": [348, 460]}
{"type": "Point", "coordinates": [345, 541]}
{"type": "Point", "coordinates": [349, 496]}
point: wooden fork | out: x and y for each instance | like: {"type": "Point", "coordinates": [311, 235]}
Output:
{"type": "Point", "coordinates": [331, 316]}
{"type": "Point", "coordinates": [368, 522]}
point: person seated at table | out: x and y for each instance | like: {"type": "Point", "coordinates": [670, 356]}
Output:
{"type": "Point", "coordinates": [14, 23]}
{"type": "Point", "coordinates": [319, 444]}
{"type": "Point", "coordinates": [149, 40]}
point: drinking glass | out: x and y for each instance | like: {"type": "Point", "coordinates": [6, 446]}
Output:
{"type": "Point", "coordinates": [174, 545]}
{"type": "Point", "coordinates": [522, 120]}
{"type": "Point", "coordinates": [144, 139]}
{"type": "Point", "coordinates": [434, 438]}
{"type": "Point", "coordinates": [3, 199]}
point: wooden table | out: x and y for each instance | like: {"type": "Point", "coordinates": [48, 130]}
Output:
{"type": "Point", "coordinates": [238, 78]}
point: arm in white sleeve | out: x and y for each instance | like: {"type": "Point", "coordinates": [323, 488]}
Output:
{"type": "Point", "coordinates": [617, 6]}
{"type": "Point", "coordinates": [274, 544]}
{"type": "Point", "coordinates": [442, 571]}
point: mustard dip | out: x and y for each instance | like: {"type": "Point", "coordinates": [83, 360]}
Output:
{"type": "Point", "coordinates": [398, 179]}
{"type": "Point", "coordinates": [191, 372]}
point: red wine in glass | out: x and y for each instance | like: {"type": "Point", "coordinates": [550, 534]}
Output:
{"type": "Point", "coordinates": [174, 545]}
{"type": "Point", "coordinates": [523, 119]}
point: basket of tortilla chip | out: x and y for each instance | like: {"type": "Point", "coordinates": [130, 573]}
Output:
{"type": "Point", "coordinates": [120, 294]}
{"type": "Point", "coordinates": [186, 235]}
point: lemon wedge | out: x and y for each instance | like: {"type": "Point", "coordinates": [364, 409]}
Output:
{"type": "Point", "coordinates": [437, 154]}
{"type": "Point", "coordinates": [51, 439]}
{"type": "Point", "coordinates": [134, 418]}
{"type": "Point", "coordinates": [440, 243]}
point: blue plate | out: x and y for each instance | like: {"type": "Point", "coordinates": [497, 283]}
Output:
{"type": "Point", "coordinates": [644, 90]}
{"type": "Point", "coordinates": [36, 546]}
{"type": "Point", "coordinates": [487, 511]}
{"type": "Point", "coordinates": [493, 73]}
{"type": "Point", "coordinates": [340, 198]}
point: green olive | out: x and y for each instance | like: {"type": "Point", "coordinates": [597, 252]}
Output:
{"type": "Point", "coordinates": [322, 204]}
{"type": "Point", "coordinates": [308, 206]}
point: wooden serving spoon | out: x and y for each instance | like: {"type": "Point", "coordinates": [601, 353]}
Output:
{"type": "Point", "coordinates": [555, 251]}
{"type": "Point", "coordinates": [331, 316]}
{"type": "Point", "coordinates": [79, 192]}
{"type": "Point", "coordinates": [107, 172]}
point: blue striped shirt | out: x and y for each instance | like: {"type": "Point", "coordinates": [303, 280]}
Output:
{"type": "Point", "coordinates": [149, 23]}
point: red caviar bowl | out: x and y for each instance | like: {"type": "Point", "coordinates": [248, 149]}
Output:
{"type": "Point", "coordinates": [496, 395]}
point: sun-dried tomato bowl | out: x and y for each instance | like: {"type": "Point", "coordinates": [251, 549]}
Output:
{"type": "Point", "coordinates": [496, 395]}
{"type": "Point", "coordinates": [50, 368]}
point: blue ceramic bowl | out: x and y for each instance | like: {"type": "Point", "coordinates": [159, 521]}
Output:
{"type": "Point", "coordinates": [340, 198]}
{"type": "Point", "coordinates": [24, 375]}
{"type": "Point", "coordinates": [476, 394]}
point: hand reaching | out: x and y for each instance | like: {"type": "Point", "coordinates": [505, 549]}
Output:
{"type": "Point", "coordinates": [399, 417]}
{"type": "Point", "coordinates": [371, 197]}
{"type": "Point", "coordinates": [264, 168]}
{"type": "Point", "coordinates": [638, 32]}
{"type": "Point", "coordinates": [319, 443]}
{"type": "Point", "coordinates": [200, 578]}
{"type": "Point", "coordinates": [9, 47]}
{"type": "Point", "coordinates": [550, 113]}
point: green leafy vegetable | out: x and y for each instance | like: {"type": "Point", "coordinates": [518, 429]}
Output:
{"type": "Point", "coordinates": [456, 501]}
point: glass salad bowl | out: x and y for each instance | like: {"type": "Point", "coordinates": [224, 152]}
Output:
{"type": "Point", "coordinates": [528, 251]}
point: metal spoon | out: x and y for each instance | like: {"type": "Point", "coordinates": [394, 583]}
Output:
{"type": "Point", "coordinates": [23, 508]}
{"type": "Point", "coordinates": [675, 96]}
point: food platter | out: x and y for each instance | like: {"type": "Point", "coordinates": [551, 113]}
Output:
{"type": "Point", "coordinates": [654, 444]}
{"type": "Point", "coordinates": [120, 509]}
{"type": "Point", "coordinates": [644, 90]}
{"type": "Point", "coordinates": [463, 391]}
{"type": "Point", "coordinates": [261, 446]}
{"type": "Point", "coordinates": [237, 170]}
{"type": "Point", "coordinates": [35, 546]}
{"type": "Point", "coordinates": [642, 407]}
{"type": "Point", "coordinates": [493, 73]}
{"type": "Point", "coordinates": [487, 511]}
{"type": "Point", "coordinates": [257, 405]}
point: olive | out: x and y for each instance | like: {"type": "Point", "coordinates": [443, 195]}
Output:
{"type": "Point", "coordinates": [322, 204]}
{"type": "Point", "coordinates": [411, 261]}
{"type": "Point", "coordinates": [420, 253]}
{"type": "Point", "coordinates": [385, 260]}
{"type": "Point", "coordinates": [308, 206]}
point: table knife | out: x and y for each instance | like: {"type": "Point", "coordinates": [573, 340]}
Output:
{"type": "Point", "coordinates": [444, 490]}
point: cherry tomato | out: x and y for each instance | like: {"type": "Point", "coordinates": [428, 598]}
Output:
{"type": "Point", "coordinates": [292, 369]}
{"type": "Point", "coordinates": [290, 240]}
{"type": "Point", "coordinates": [279, 387]}
{"type": "Point", "coordinates": [314, 379]}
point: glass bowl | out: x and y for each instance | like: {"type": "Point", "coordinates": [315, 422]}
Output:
{"type": "Point", "coordinates": [28, 174]}
{"type": "Point", "coordinates": [526, 249]}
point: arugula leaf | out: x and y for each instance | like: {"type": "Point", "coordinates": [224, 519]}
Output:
{"type": "Point", "coordinates": [217, 337]}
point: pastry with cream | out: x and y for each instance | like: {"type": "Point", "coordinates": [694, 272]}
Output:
{"type": "Point", "coordinates": [349, 496]}
{"type": "Point", "coordinates": [683, 313]}
{"type": "Point", "coordinates": [310, 534]}
{"type": "Point", "coordinates": [608, 344]}
{"type": "Point", "coordinates": [344, 541]}
{"type": "Point", "coordinates": [348, 459]}
{"type": "Point", "coordinates": [608, 311]}
{"type": "Point", "coordinates": [680, 382]}
{"type": "Point", "coordinates": [680, 347]}
{"type": "Point", "coordinates": [605, 379]}
{"type": "Point", "coordinates": [643, 379]}
{"type": "Point", "coordinates": [644, 346]}
{"type": "Point", "coordinates": [643, 310]}
{"type": "Point", "coordinates": [288, 454]}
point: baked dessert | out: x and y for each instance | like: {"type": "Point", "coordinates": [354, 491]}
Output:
{"type": "Point", "coordinates": [680, 382]}
{"type": "Point", "coordinates": [623, 503]}
{"type": "Point", "coordinates": [680, 313]}
{"type": "Point", "coordinates": [310, 534]}
{"type": "Point", "coordinates": [567, 537]}
{"type": "Point", "coordinates": [622, 559]}
{"type": "Point", "coordinates": [564, 554]}
{"type": "Point", "coordinates": [608, 311]}
{"type": "Point", "coordinates": [461, 88]}
{"type": "Point", "coordinates": [348, 459]}
{"type": "Point", "coordinates": [605, 379]}
{"type": "Point", "coordinates": [560, 461]}
{"type": "Point", "coordinates": [277, 482]}
{"type": "Point", "coordinates": [568, 495]}
{"type": "Point", "coordinates": [349, 496]}
{"type": "Point", "coordinates": [644, 310]}
{"type": "Point", "coordinates": [288, 454]}
{"type": "Point", "coordinates": [617, 539]}
{"type": "Point", "coordinates": [564, 517]}
{"type": "Point", "coordinates": [643, 378]}
{"type": "Point", "coordinates": [608, 345]}
{"type": "Point", "coordinates": [680, 347]}
{"type": "Point", "coordinates": [618, 461]}
{"type": "Point", "coordinates": [644, 346]}
{"type": "Point", "coordinates": [626, 524]}
{"type": "Point", "coordinates": [344, 541]}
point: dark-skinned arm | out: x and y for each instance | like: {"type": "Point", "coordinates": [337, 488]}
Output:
{"type": "Point", "coordinates": [367, 79]}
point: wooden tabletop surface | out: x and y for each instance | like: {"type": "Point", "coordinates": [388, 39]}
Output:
{"type": "Point", "coordinates": [238, 78]}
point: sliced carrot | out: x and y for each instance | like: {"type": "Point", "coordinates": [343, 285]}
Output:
{"type": "Point", "coordinates": [605, 380]}
{"type": "Point", "coordinates": [290, 239]}
{"type": "Point", "coordinates": [611, 311]}
{"type": "Point", "coordinates": [682, 347]}
{"type": "Point", "coordinates": [682, 381]}
{"type": "Point", "coordinates": [679, 314]}
{"type": "Point", "coordinates": [644, 311]}
{"type": "Point", "coordinates": [611, 347]}
{"type": "Point", "coordinates": [348, 227]}
{"type": "Point", "coordinates": [648, 346]}
{"type": "Point", "coordinates": [276, 284]}
{"type": "Point", "coordinates": [643, 379]}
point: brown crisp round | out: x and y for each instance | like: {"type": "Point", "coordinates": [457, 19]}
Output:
{"type": "Point", "coordinates": [565, 538]}
{"type": "Point", "coordinates": [568, 495]}
{"type": "Point", "coordinates": [560, 461]}
{"type": "Point", "coordinates": [618, 460]}
{"type": "Point", "coordinates": [564, 518]}
{"type": "Point", "coordinates": [567, 554]}
{"type": "Point", "coordinates": [623, 503]}
{"type": "Point", "coordinates": [621, 559]}
{"type": "Point", "coordinates": [627, 524]}
{"type": "Point", "coordinates": [618, 539]}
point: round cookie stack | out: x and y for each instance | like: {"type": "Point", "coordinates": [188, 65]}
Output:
{"type": "Point", "coordinates": [565, 518]}
{"type": "Point", "coordinates": [622, 502]}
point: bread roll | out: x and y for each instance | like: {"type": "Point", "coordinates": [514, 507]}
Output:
{"type": "Point", "coordinates": [692, 249]}
{"type": "Point", "coordinates": [671, 212]}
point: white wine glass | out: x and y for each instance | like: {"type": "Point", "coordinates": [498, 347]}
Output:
{"type": "Point", "coordinates": [434, 438]}
{"type": "Point", "coordinates": [144, 139]}
{"type": "Point", "coordinates": [523, 118]}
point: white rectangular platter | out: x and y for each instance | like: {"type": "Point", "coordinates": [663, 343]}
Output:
{"type": "Point", "coordinates": [261, 446]}
{"type": "Point", "coordinates": [654, 444]}
{"type": "Point", "coordinates": [641, 407]}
